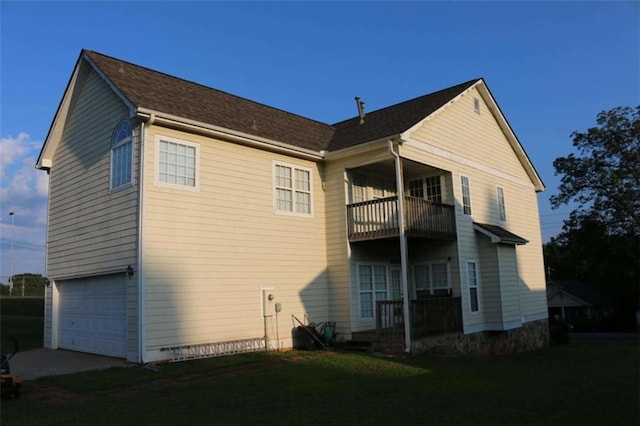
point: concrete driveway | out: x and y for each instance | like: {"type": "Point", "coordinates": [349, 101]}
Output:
{"type": "Point", "coordinates": [35, 363]}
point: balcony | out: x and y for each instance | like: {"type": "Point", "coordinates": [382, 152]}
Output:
{"type": "Point", "coordinates": [375, 219]}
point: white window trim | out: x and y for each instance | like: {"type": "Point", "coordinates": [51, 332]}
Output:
{"type": "Point", "coordinates": [502, 205]}
{"type": "Point", "coordinates": [387, 268]}
{"type": "Point", "coordinates": [462, 195]}
{"type": "Point", "coordinates": [111, 149]}
{"type": "Point", "coordinates": [274, 188]}
{"type": "Point", "coordinates": [477, 286]}
{"type": "Point", "coordinates": [429, 263]}
{"type": "Point", "coordinates": [158, 182]}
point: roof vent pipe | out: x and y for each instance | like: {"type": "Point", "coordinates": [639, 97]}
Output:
{"type": "Point", "coordinates": [360, 105]}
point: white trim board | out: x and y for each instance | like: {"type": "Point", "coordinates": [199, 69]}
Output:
{"type": "Point", "coordinates": [423, 146]}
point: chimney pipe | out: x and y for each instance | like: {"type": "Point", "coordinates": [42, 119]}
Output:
{"type": "Point", "coordinates": [360, 105]}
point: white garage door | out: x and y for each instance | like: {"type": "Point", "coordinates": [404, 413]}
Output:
{"type": "Point", "coordinates": [93, 315]}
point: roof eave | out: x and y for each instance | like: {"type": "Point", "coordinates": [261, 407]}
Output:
{"type": "Point", "coordinates": [406, 134]}
{"type": "Point", "coordinates": [536, 180]}
{"type": "Point", "coordinates": [361, 147]}
{"type": "Point", "coordinates": [497, 239]}
{"type": "Point", "coordinates": [181, 123]}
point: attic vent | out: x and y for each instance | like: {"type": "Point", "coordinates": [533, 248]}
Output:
{"type": "Point", "coordinates": [476, 105]}
{"type": "Point", "coordinates": [360, 105]}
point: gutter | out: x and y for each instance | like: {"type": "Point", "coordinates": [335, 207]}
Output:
{"type": "Point", "coordinates": [180, 123]}
{"type": "Point", "coordinates": [403, 248]}
{"type": "Point", "coordinates": [140, 267]}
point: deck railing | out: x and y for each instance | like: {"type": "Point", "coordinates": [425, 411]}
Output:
{"type": "Point", "coordinates": [378, 218]}
{"type": "Point", "coordinates": [429, 316]}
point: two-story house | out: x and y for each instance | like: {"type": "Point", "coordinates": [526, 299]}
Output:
{"type": "Point", "coordinates": [183, 216]}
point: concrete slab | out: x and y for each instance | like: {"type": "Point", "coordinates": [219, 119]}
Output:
{"type": "Point", "coordinates": [35, 363]}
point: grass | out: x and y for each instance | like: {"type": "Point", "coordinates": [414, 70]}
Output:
{"type": "Point", "coordinates": [21, 318]}
{"type": "Point", "coordinates": [583, 383]}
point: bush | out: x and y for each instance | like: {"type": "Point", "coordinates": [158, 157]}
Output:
{"type": "Point", "coordinates": [559, 332]}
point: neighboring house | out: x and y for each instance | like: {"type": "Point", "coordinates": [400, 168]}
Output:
{"type": "Point", "coordinates": [180, 215]}
{"type": "Point", "coordinates": [573, 302]}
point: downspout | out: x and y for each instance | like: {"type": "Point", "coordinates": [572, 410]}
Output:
{"type": "Point", "coordinates": [403, 248]}
{"type": "Point", "coordinates": [141, 288]}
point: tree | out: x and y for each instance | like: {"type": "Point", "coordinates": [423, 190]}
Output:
{"type": "Point", "coordinates": [33, 285]}
{"type": "Point", "coordinates": [600, 242]}
{"type": "Point", "coordinates": [604, 179]}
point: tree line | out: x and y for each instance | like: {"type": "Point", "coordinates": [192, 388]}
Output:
{"type": "Point", "coordinates": [25, 285]}
{"type": "Point", "coordinates": [600, 241]}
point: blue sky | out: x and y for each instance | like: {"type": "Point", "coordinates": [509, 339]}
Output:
{"type": "Point", "coordinates": [552, 66]}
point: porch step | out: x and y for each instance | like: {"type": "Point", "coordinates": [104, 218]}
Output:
{"type": "Point", "coordinates": [358, 346]}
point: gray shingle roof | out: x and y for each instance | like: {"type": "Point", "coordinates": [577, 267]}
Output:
{"type": "Point", "coordinates": [392, 120]}
{"type": "Point", "coordinates": [171, 95]}
{"type": "Point", "coordinates": [164, 93]}
{"type": "Point", "coordinates": [499, 233]}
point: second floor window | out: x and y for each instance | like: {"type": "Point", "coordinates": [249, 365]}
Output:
{"type": "Point", "coordinates": [121, 155]}
{"type": "Point", "coordinates": [292, 189]}
{"type": "Point", "coordinates": [177, 163]}
{"type": "Point", "coordinates": [466, 195]}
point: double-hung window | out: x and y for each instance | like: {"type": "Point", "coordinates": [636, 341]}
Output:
{"type": "Point", "coordinates": [177, 163]}
{"type": "Point", "coordinates": [372, 286]}
{"type": "Point", "coordinates": [292, 189]}
{"type": "Point", "coordinates": [472, 284]}
{"type": "Point", "coordinates": [466, 195]}
{"type": "Point", "coordinates": [121, 155]}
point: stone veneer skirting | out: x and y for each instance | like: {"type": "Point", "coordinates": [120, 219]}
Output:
{"type": "Point", "coordinates": [531, 336]}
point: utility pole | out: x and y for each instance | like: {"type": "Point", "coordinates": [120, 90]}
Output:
{"type": "Point", "coordinates": [11, 256]}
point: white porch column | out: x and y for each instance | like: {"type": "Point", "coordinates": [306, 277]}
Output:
{"type": "Point", "coordinates": [403, 248]}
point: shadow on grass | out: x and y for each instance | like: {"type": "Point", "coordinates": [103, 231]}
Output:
{"type": "Point", "coordinates": [585, 383]}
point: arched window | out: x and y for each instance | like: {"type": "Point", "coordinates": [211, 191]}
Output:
{"type": "Point", "coordinates": [121, 155]}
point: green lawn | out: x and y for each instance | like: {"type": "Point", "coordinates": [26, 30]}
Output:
{"type": "Point", "coordinates": [21, 318]}
{"type": "Point", "coordinates": [583, 383]}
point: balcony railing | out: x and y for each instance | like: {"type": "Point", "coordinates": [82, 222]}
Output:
{"type": "Point", "coordinates": [428, 317]}
{"type": "Point", "coordinates": [378, 218]}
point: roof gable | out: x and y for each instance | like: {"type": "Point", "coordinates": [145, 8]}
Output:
{"type": "Point", "coordinates": [577, 290]}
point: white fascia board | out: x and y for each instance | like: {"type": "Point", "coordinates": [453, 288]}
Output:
{"type": "Point", "coordinates": [439, 152]}
{"type": "Point", "coordinates": [511, 136]}
{"type": "Point", "coordinates": [193, 126]}
{"type": "Point", "coordinates": [409, 131]}
{"type": "Point", "coordinates": [363, 148]}
{"type": "Point", "coordinates": [127, 102]}
{"type": "Point", "coordinates": [45, 159]}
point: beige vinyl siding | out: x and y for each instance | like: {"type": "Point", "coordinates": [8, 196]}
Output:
{"type": "Point", "coordinates": [91, 229]}
{"type": "Point", "coordinates": [509, 284]}
{"type": "Point", "coordinates": [207, 253]}
{"type": "Point", "coordinates": [342, 262]}
{"type": "Point", "coordinates": [473, 145]}
{"type": "Point", "coordinates": [458, 129]}
{"type": "Point", "coordinates": [490, 282]}
{"type": "Point", "coordinates": [338, 250]}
